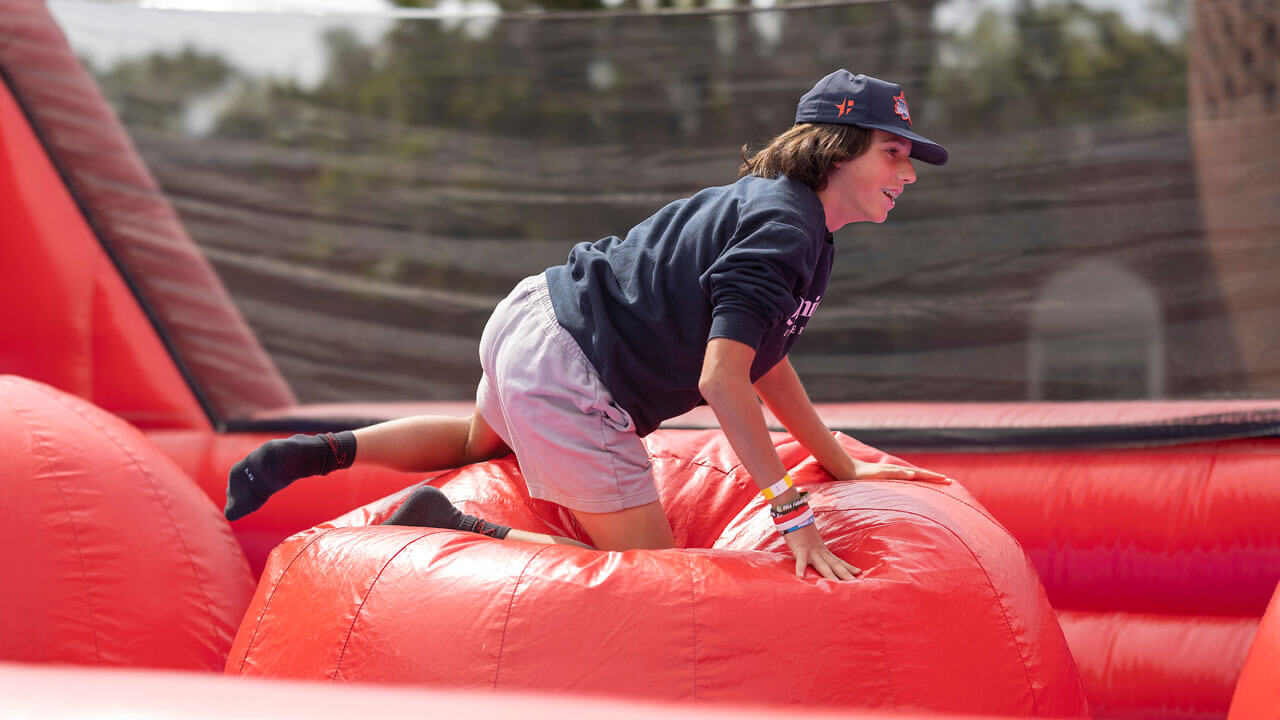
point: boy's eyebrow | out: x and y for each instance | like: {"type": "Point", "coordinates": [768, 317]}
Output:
{"type": "Point", "coordinates": [897, 140]}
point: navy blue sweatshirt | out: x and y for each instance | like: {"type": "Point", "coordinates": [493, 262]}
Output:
{"type": "Point", "coordinates": [747, 261]}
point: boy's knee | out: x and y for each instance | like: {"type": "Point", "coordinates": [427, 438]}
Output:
{"type": "Point", "coordinates": [482, 442]}
{"type": "Point", "coordinates": [480, 452]}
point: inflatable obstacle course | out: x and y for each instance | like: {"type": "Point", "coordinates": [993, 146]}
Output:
{"type": "Point", "coordinates": [947, 616]}
{"type": "Point", "coordinates": [1157, 557]}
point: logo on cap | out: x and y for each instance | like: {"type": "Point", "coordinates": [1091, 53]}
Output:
{"type": "Point", "coordinates": [900, 107]}
{"type": "Point", "coordinates": [844, 107]}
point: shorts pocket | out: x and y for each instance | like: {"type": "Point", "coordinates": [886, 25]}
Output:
{"type": "Point", "coordinates": [618, 418]}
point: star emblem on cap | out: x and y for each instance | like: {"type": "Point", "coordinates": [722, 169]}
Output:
{"type": "Point", "coordinates": [900, 107]}
{"type": "Point", "coordinates": [844, 107]}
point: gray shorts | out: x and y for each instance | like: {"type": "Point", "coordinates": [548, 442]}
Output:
{"type": "Point", "coordinates": [575, 445]}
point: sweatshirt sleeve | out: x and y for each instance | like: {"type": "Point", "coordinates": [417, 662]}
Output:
{"type": "Point", "coordinates": [754, 282]}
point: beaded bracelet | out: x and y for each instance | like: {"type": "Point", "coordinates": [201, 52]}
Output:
{"type": "Point", "coordinates": [784, 509]}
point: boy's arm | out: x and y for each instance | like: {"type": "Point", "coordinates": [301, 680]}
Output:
{"type": "Point", "coordinates": [726, 386]}
{"type": "Point", "coordinates": [784, 395]}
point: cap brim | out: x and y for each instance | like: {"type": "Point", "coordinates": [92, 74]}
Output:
{"type": "Point", "coordinates": [922, 148]}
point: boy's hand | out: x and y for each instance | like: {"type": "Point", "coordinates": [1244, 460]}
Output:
{"type": "Point", "coordinates": [885, 471]}
{"type": "Point", "coordinates": [807, 545]}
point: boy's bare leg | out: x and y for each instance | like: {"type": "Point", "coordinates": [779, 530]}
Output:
{"type": "Point", "coordinates": [426, 443]}
{"type": "Point", "coordinates": [544, 539]}
{"type": "Point", "coordinates": [643, 527]}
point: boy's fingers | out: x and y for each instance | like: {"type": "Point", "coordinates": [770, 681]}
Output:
{"type": "Point", "coordinates": [898, 472]}
{"type": "Point", "coordinates": [933, 477]}
{"type": "Point", "coordinates": [844, 571]}
{"type": "Point", "coordinates": [823, 568]}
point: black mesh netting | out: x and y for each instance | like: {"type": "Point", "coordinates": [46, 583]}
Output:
{"type": "Point", "coordinates": [1106, 229]}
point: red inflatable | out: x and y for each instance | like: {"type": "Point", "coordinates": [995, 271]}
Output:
{"type": "Point", "coordinates": [113, 555]}
{"type": "Point", "coordinates": [40, 692]}
{"type": "Point", "coordinates": [1257, 697]}
{"type": "Point", "coordinates": [948, 614]}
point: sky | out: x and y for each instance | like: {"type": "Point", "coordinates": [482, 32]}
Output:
{"type": "Point", "coordinates": [284, 40]}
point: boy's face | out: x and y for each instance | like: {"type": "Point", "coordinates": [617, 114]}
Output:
{"type": "Point", "coordinates": [867, 187]}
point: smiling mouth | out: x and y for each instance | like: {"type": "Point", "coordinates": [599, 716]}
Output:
{"type": "Point", "coordinates": [893, 197]}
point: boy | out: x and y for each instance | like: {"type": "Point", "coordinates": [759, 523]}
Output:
{"type": "Point", "coordinates": [700, 302]}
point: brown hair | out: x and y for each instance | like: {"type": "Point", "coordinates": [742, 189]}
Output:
{"type": "Point", "coordinates": [807, 152]}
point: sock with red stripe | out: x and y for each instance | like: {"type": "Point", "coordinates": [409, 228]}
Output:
{"type": "Point", "coordinates": [428, 507]}
{"type": "Point", "coordinates": [272, 467]}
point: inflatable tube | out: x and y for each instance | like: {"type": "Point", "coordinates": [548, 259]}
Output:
{"type": "Point", "coordinates": [948, 615]}
{"type": "Point", "coordinates": [1257, 695]}
{"type": "Point", "coordinates": [1158, 666]}
{"type": "Point", "coordinates": [80, 328]}
{"type": "Point", "coordinates": [1159, 562]}
{"type": "Point", "coordinates": [114, 557]}
{"type": "Point", "coordinates": [38, 692]}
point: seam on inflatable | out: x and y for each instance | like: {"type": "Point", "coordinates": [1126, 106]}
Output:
{"type": "Point", "coordinates": [1004, 613]}
{"type": "Point", "coordinates": [515, 589]}
{"type": "Point", "coordinates": [355, 618]}
{"type": "Point", "coordinates": [888, 662]}
{"type": "Point", "coordinates": [1113, 636]}
{"type": "Point", "coordinates": [161, 498]}
{"type": "Point", "coordinates": [693, 610]}
{"type": "Point", "coordinates": [271, 596]}
{"type": "Point", "coordinates": [88, 587]}
{"type": "Point", "coordinates": [73, 184]}
{"type": "Point", "coordinates": [976, 508]}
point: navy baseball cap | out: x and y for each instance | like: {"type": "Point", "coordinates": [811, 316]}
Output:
{"type": "Point", "coordinates": [861, 100]}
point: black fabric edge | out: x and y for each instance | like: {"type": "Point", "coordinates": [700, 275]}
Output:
{"type": "Point", "coordinates": [1179, 431]}
{"type": "Point", "coordinates": [152, 317]}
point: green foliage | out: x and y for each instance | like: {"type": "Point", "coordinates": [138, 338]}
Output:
{"type": "Point", "coordinates": [154, 91]}
{"type": "Point", "coordinates": [1053, 64]}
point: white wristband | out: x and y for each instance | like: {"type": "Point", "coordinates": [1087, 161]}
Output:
{"type": "Point", "coordinates": [778, 488]}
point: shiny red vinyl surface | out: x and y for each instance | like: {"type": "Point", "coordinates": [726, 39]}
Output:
{"type": "Point", "coordinates": [75, 324]}
{"type": "Point", "coordinates": [31, 691]}
{"type": "Point", "coordinates": [1158, 666]}
{"type": "Point", "coordinates": [1257, 694]}
{"type": "Point", "coordinates": [947, 616]}
{"type": "Point", "coordinates": [1183, 530]}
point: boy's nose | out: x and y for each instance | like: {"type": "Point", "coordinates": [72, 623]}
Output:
{"type": "Point", "coordinates": [907, 172]}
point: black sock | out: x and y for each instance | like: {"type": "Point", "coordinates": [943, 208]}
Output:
{"type": "Point", "coordinates": [272, 467]}
{"type": "Point", "coordinates": [428, 507]}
